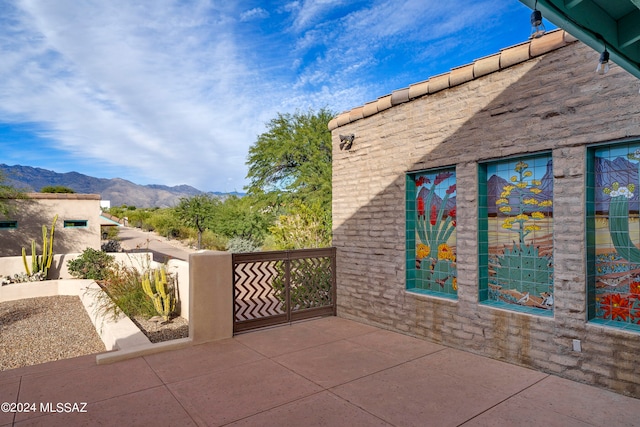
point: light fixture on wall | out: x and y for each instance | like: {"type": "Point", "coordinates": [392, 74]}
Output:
{"type": "Point", "coordinates": [346, 141]}
{"type": "Point", "coordinates": [537, 27]}
{"type": "Point", "coordinates": [603, 62]}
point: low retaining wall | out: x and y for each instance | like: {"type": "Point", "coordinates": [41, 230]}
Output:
{"type": "Point", "coordinates": [59, 271]}
{"type": "Point", "coordinates": [116, 334]}
{"type": "Point", "coordinates": [205, 286]}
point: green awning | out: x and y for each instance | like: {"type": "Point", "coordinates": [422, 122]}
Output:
{"type": "Point", "coordinates": [599, 23]}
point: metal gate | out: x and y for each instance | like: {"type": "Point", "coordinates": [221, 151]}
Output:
{"type": "Point", "coordinates": [271, 288]}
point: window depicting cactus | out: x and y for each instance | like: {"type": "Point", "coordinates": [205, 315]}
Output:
{"type": "Point", "coordinates": [614, 235]}
{"type": "Point", "coordinates": [431, 232]}
{"type": "Point", "coordinates": [517, 247]}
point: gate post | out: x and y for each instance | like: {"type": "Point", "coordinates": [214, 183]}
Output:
{"type": "Point", "coordinates": [210, 296]}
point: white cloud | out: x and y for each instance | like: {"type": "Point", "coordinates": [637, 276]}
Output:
{"type": "Point", "coordinates": [155, 90]}
{"type": "Point", "coordinates": [176, 92]}
{"type": "Point", "coordinates": [255, 13]}
{"type": "Point", "coordinates": [310, 12]}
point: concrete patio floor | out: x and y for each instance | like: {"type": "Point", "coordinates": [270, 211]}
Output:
{"type": "Point", "coordinates": [323, 372]}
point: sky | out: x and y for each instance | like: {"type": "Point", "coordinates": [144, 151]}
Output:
{"type": "Point", "coordinates": [175, 92]}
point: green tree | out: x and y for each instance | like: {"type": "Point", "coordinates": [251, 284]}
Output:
{"type": "Point", "coordinates": [292, 159]}
{"type": "Point", "coordinates": [303, 227]}
{"type": "Point", "coordinates": [56, 189]}
{"type": "Point", "coordinates": [8, 192]}
{"type": "Point", "coordinates": [166, 223]}
{"type": "Point", "coordinates": [239, 217]}
{"type": "Point", "coordinates": [196, 212]}
{"type": "Point", "coordinates": [290, 171]}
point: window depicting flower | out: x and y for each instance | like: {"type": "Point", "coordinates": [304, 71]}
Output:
{"type": "Point", "coordinates": [520, 233]}
{"type": "Point", "coordinates": [431, 232]}
{"type": "Point", "coordinates": [615, 230]}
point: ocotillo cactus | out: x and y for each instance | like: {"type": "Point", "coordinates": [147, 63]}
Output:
{"type": "Point", "coordinates": [163, 300]}
{"type": "Point", "coordinates": [41, 263]}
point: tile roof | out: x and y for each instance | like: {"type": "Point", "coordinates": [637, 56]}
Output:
{"type": "Point", "coordinates": [507, 57]}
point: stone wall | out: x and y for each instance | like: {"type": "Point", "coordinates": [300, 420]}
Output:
{"type": "Point", "coordinates": [554, 102]}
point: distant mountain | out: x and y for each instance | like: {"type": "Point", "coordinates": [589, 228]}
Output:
{"type": "Point", "coordinates": [496, 184]}
{"type": "Point", "coordinates": [621, 171]}
{"type": "Point", "coordinates": [118, 191]}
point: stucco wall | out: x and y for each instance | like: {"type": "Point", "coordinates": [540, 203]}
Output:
{"type": "Point", "coordinates": [141, 261]}
{"type": "Point", "coordinates": [555, 103]}
{"type": "Point", "coordinates": [39, 209]}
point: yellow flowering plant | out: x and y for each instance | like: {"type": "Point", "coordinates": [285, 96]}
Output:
{"type": "Point", "coordinates": [522, 267]}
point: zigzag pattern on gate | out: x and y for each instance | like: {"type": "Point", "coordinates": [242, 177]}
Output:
{"type": "Point", "coordinates": [255, 297]}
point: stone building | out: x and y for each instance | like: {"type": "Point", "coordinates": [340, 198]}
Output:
{"type": "Point", "coordinates": [494, 209]}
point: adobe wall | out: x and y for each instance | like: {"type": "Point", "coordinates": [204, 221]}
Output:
{"type": "Point", "coordinates": [552, 102]}
{"type": "Point", "coordinates": [39, 209]}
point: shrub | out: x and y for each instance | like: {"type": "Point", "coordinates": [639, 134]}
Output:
{"type": "Point", "coordinates": [111, 246]}
{"type": "Point", "coordinates": [239, 244]}
{"type": "Point", "coordinates": [124, 292]}
{"type": "Point", "coordinates": [91, 264]}
{"type": "Point", "coordinates": [210, 240]}
{"type": "Point", "coordinates": [109, 233]}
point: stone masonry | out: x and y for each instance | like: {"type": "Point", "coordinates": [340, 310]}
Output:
{"type": "Point", "coordinates": [552, 101]}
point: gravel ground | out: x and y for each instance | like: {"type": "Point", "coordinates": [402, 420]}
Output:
{"type": "Point", "coordinates": [158, 332]}
{"type": "Point", "coordinates": [44, 329]}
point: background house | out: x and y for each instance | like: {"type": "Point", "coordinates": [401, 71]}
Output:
{"type": "Point", "coordinates": [494, 209]}
{"type": "Point", "coordinates": [77, 227]}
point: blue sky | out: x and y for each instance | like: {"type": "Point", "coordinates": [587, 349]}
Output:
{"type": "Point", "coordinates": [175, 92]}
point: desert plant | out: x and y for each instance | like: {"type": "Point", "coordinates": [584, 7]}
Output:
{"type": "Point", "coordinates": [619, 215]}
{"type": "Point", "coordinates": [524, 269]}
{"type": "Point", "coordinates": [123, 293]}
{"type": "Point", "coordinates": [240, 244]}
{"type": "Point", "coordinates": [41, 263]}
{"type": "Point", "coordinates": [109, 232]}
{"type": "Point", "coordinates": [22, 278]}
{"type": "Point", "coordinates": [156, 286]}
{"type": "Point", "coordinates": [111, 246]}
{"type": "Point", "coordinates": [435, 228]}
{"type": "Point", "coordinates": [435, 224]}
{"type": "Point", "coordinates": [91, 264]}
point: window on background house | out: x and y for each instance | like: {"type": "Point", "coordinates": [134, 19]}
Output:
{"type": "Point", "coordinates": [75, 223]}
{"type": "Point", "coordinates": [516, 234]}
{"type": "Point", "coordinates": [613, 234]}
{"type": "Point", "coordinates": [431, 232]}
{"type": "Point", "coordinates": [8, 225]}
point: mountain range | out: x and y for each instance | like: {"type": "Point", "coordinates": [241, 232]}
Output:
{"type": "Point", "coordinates": [118, 191]}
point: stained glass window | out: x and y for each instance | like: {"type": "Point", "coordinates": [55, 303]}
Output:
{"type": "Point", "coordinates": [431, 232]}
{"type": "Point", "coordinates": [516, 234]}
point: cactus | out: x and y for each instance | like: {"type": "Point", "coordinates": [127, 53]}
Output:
{"type": "Point", "coordinates": [41, 263]}
{"type": "Point", "coordinates": [163, 299]}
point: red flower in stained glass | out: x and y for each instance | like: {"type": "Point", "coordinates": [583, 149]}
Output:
{"type": "Point", "coordinates": [422, 180]}
{"type": "Point", "coordinates": [615, 306]}
{"type": "Point", "coordinates": [420, 207]}
{"type": "Point", "coordinates": [434, 215]}
{"type": "Point", "coordinates": [451, 189]}
{"type": "Point", "coordinates": [634, 287]}
{"type": "Point", "coordinates": [452, 214]}
{"type": "Point", "coordinates": [441, 177]}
